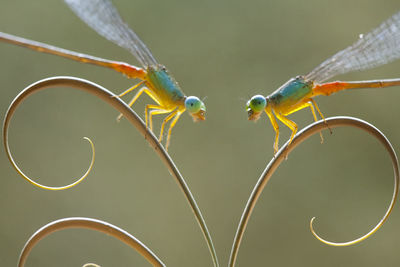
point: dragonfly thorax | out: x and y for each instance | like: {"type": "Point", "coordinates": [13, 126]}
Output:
{"type": "Point", "coordinates": [164, 84]}
{"type": "Point", "coordinates": [291, 92]}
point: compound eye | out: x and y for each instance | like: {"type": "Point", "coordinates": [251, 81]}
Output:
{"type": "Point", "coordinates": [193, 104]}
{"type": "Point", "coordinates": [257, 103]}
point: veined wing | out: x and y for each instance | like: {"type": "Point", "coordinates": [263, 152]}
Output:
{"type": "Point", "coordinates": [103, 17]}
{"type": "Point", "coordinates": [378, 47]}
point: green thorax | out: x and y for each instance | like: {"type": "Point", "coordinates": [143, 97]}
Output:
{"type": "Point", "coordinates": [292, 91]}
{"type": "Point", "coordinates": [164, 83]}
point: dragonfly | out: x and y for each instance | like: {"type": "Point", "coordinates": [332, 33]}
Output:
{"type": "Point", "coordinates": [378, 47]}
{"type": "Point", "coordinates": [155, 80]}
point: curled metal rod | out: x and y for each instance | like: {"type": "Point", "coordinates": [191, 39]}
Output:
{"type": "Point", "coordinates": [93, 224]}
{"type": "Point", "coordinates": [286, 149]}
{"type": "Point", "coordinates": [131, 116]}
{"type": "Point", "coordinates": [9, 114]}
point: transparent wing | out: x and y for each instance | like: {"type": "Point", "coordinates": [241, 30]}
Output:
{"type": "Point", "coordinates": [102, 16]}
{"type": "Point", "coordinates": [378, 47]}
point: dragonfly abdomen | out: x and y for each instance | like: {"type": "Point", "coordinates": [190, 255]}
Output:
{"type": "Point", "coordinates": [333, 87]}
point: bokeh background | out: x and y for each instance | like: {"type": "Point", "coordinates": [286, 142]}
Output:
{"type": "Point", "coordinates": [225, 51]}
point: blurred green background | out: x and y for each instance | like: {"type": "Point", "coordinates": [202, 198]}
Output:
{"type": "Point", "coordinates": [225, 51]}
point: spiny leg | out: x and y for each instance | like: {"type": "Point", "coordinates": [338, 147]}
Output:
{"type": "Point", "coordinates": [170, 128]}
{"type": "Point", "coordinates": [132, 101]}
{"type": "Point", "coordinates": [156, 110]}
{"type": "Point", "coordinates": [145, 90]}
{"type": "Point", "coordinates": [315, 119]}
{"type": "Point", "coordinates": [166, 119]}
{"type": "Point", "coordinates": [276, 129]}
{"type": "Point", "coordinates": [130, 89]}
{"type": "Point", "coordinates": [320, 114]}
{"type": "Point", "coordinates": [291, 124]}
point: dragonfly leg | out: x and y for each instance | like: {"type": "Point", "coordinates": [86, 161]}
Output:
{"type": "Point", "coordinates": [138, 94]}
{"type": "Point", "coordinates": [130, 89]}
{"type": "Point", "coordinates": [310, 104]}
{"type": "Point", "coordinates": [320, 114]}
{"type": "Point", "coordinates": [174, 121]}
{"type": "Point", "coordinates": [156, 110]}
{"type": "Point", "coordinates": [276, 129]}
{"type": "Point", "coordinates": [291, 124]}
{"type": "Point", "coordinates": [166, 119]}
{"type": "Point", "coordinates": [133, 100]}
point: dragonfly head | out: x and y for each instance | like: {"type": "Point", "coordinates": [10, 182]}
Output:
{"type": "Point", "coordinates": [255, 107]}
{"type": "Point", "coordinates": [196, 108]}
